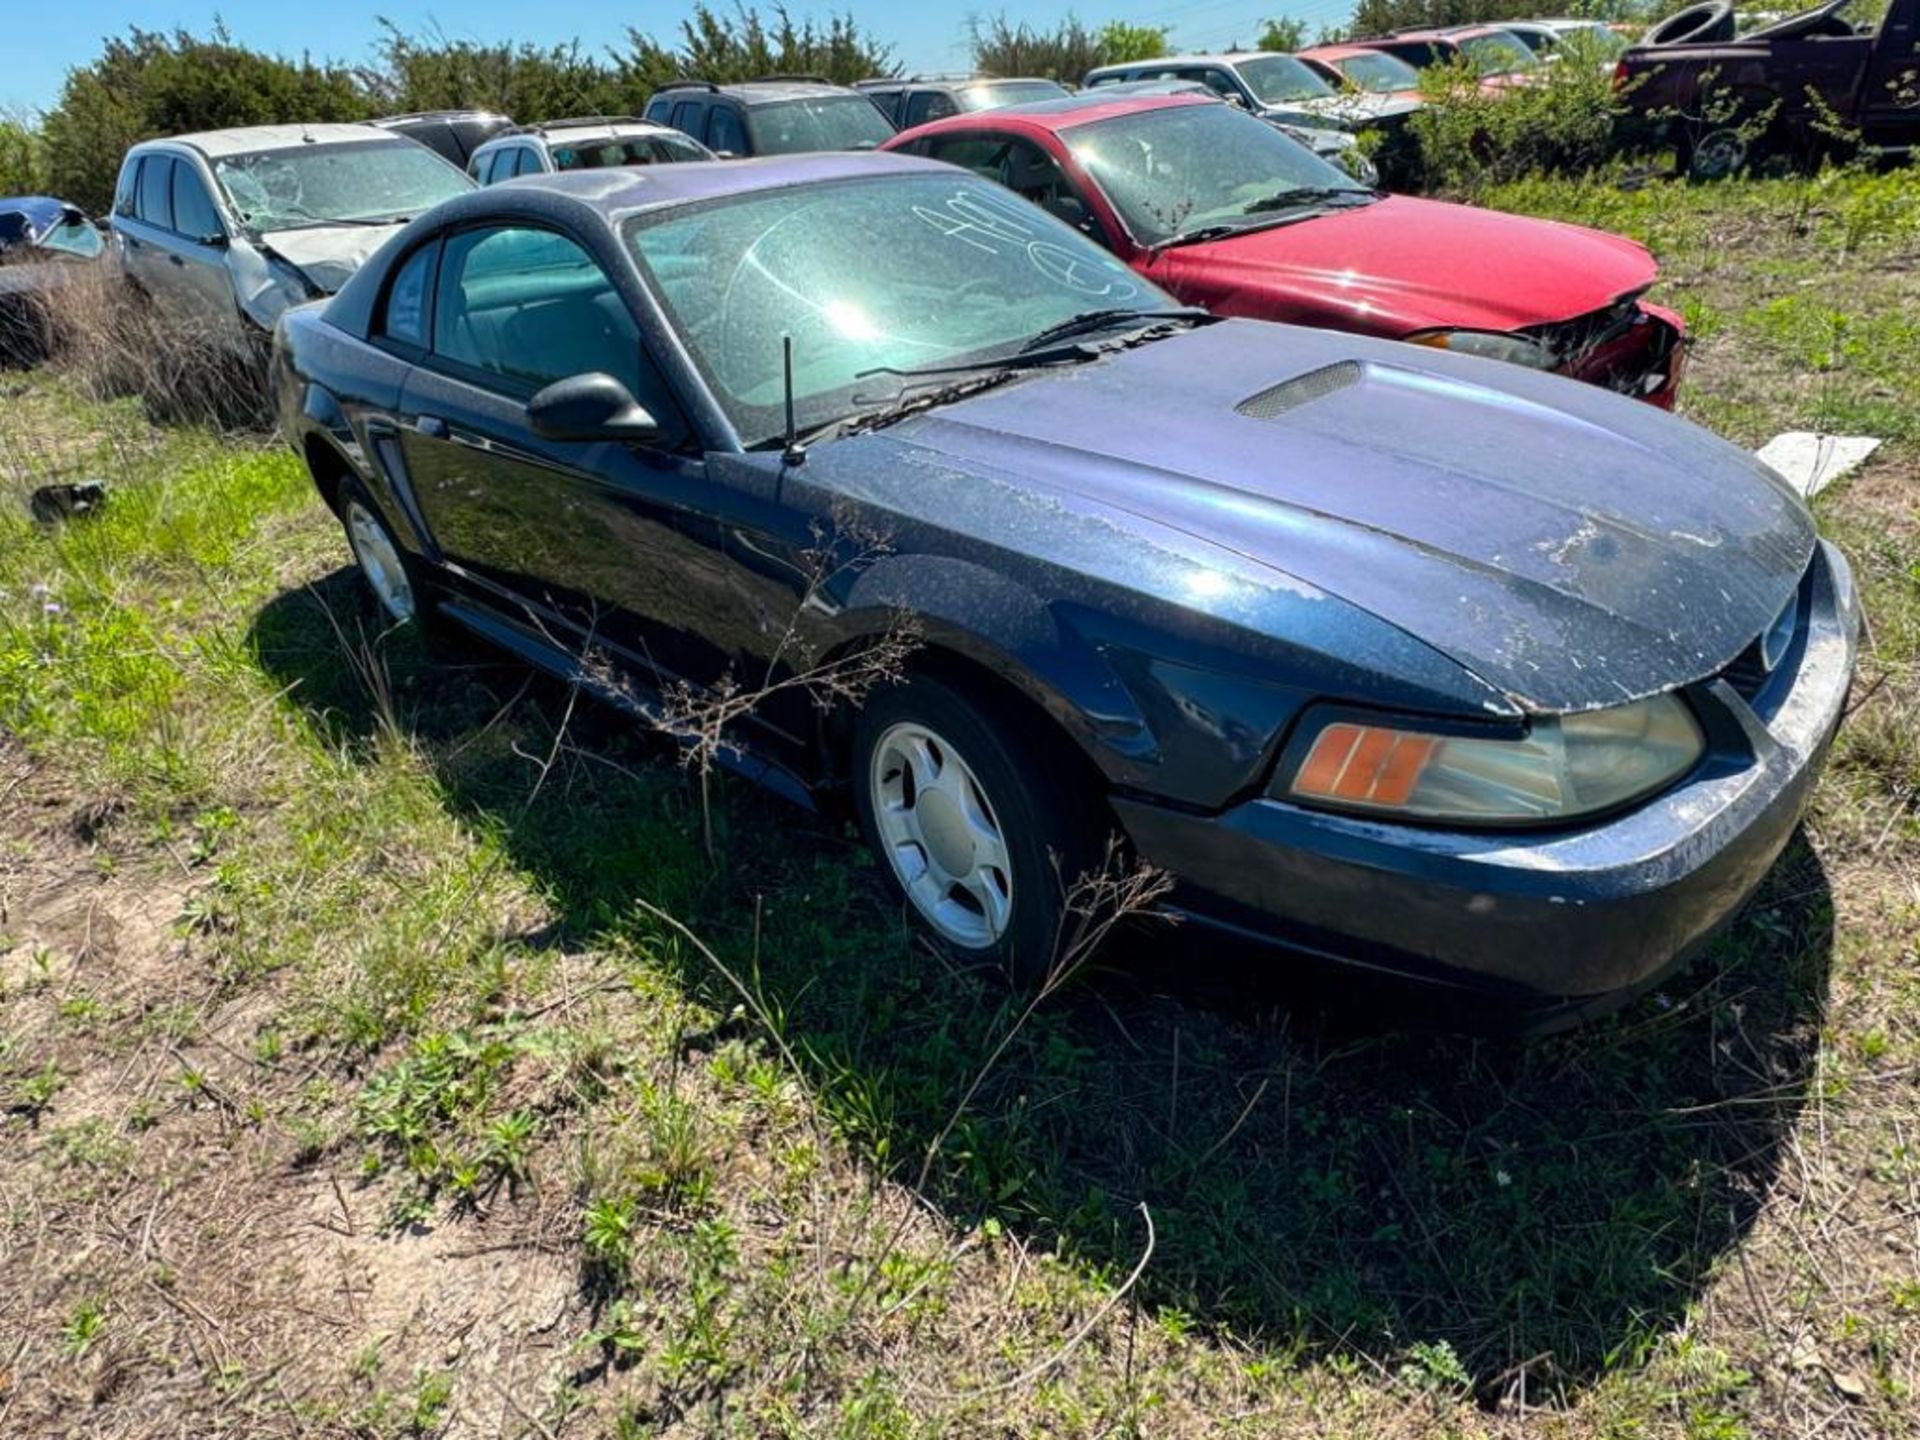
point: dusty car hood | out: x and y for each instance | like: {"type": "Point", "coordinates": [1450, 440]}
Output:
{"type": "Point", "coordinates": [1400, 265]}
{"type": "Point", "coordinates": [1570, 547]}
{"type": "Point", "coordinates": [1357, 108]}
{"type": "Point", "coordinates": [328, 254]}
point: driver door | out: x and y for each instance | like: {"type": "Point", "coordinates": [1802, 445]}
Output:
{"type": "Point", "coordinates": [590, 545]}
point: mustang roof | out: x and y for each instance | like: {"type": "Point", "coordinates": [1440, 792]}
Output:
{"type": "Point", "coordinates": [646, 187]}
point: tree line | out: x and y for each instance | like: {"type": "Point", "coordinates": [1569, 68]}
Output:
{"type": "Point", "coordinates": [149, 83]}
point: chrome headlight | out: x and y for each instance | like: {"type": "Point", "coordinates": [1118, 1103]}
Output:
{"type": "Point", "coordinates": [1490, 345]}
{"type": "Point", "coordinates": [1561, 767]}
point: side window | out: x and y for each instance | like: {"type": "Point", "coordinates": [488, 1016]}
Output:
{"type": "Point", "coordinates": [530, 307]}
{"type": "Point", "coordinates": [888, 102]}
{"type": "Point", "coordinates": [725, 132]}
{"type": "Point", "coordinates": [686, 117]}
{"type": "Point", "coordinates": [125, 195]}
{"type": "Point", "coordinates": [194, 215]}
{"type": "Point", "coordinates": [480, 167]}
{"type": "Point", "coordinates": [925, 105]}
{"type": "Point", "coordinates": [405, 317]}
{"type": "Point", "coordinates": [156, 191]}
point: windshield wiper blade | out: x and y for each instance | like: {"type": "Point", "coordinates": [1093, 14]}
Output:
{"type": "Point", "coordinates": [1088, 321]}
{"type": "Point", "coordinates": [1303, 195]}
{"type": "Point", "coordinates": [911, 399]}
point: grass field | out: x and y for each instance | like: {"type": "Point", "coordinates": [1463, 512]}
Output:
{"type": "Point", "coordinates": [382, 1053]}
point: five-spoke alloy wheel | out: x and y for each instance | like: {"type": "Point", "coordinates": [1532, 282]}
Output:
{"type": "Point", "coordinates": [983, 819]}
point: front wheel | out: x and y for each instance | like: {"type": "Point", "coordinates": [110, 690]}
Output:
{"type": "Point", "coordinates": [398, 582]}
{"type": "Point", "coordinates": [983, 826]}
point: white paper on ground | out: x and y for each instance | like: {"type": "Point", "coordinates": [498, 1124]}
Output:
{"type": "Point", "coordinates": [1812, 461]}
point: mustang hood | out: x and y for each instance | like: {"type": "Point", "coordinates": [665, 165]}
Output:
{"type": "Point", "coordinates": [1400, 265]}
{"type": "Point", "coordinates": [1572, 548]}
{"type": "Point", "coordinates": [327, 254]}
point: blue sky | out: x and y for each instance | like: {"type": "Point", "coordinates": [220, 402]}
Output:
{"type": "Point", "coordinates": [44, 37]}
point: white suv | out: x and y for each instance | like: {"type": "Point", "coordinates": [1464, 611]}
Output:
{"type": "Point", "coordinates": [590, 143]}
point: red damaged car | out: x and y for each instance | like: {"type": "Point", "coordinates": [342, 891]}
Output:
{"type": "Point", "coordinates": [1227, 212]}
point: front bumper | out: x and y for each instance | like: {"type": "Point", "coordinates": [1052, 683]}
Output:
{"type": "Point", "coordinates": [1547, 920]}
{"type": "Point", "coordinates": [1644, 360]}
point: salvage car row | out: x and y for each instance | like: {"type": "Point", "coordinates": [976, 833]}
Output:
{"type": "Point", "coordinates": [222, 231]}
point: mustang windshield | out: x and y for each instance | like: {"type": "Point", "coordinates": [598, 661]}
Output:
{"type": "Point", "coordinates": [363, 183]}
{"type": "Point", "coordinates": [898, 272]}
{"type": "Point", "coordinates": [1173, 171]}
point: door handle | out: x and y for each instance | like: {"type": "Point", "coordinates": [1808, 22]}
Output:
{"type": "Point", "coordinates": [431, 426]}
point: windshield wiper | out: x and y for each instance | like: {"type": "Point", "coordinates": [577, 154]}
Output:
{"type": "Point", "coordinates": [911, 399]}
{"type": "Point", "coordinates": [1304, 195]}
{"type": "Point", "coordinates": [1089, 321]}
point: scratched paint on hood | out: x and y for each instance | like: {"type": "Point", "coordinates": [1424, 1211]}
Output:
{"type": "Point", "coordinates": [1570, 547]}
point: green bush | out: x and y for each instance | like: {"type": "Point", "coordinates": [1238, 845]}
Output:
{"type": "Point", "coordinates": [150, 84]}
{"type": "Point", "coordinates": [23, 161]}
{"type": "Point", "coordinates": [1470, 138]}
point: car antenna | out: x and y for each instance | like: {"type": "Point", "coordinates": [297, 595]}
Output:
{"type": "Point", "coordinates": [794, 453]}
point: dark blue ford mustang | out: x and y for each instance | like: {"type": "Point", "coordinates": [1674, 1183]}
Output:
{"type": "Point", "coordinates": [1415, 659]}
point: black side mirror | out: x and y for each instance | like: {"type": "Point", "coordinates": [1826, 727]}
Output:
{"type": "Point", "coordinates": [590, 407]}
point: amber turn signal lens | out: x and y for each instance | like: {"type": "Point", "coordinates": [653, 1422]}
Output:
{"type": "Point", "coordinates": [1364, 764]}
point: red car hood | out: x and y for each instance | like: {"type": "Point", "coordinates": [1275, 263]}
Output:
{"type": "Point", "coordinates": [1400, 265]}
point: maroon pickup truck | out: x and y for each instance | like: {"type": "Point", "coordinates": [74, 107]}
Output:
{"type": "Point", "coordinates": [1722, 98]}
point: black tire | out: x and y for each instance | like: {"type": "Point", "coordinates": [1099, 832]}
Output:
{"type": "Point", "coordinates": [1720, 154]}
{"type": "Point", "coordinates": [426, 619]}
{"type": "Point", "coordinates": [1711, 21]}
{"type": "Point", "coordinates": [1049, 813]}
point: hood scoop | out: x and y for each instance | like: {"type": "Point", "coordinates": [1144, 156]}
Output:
{"type": "Point", "coordinates": [1277, 400]}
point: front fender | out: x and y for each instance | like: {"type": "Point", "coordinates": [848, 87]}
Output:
{"type": "Point", "coordinates": [1193, 732]}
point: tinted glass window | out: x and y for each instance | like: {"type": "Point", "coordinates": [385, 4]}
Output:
{"type": "Point", "coordinates": [829, 122]}
{"type": "Point", "coordinates": [725, 132]}
{"type": "Point", "coordinates": [659, 149]}
{"type": "Point", "coordinates": [531, 307]}
{"type": "Point", "coordinates": [156, 190]}
{"type": "Point", "coordinates": [126, 192]}
{"type": "Point", "coordinates": [686, 117]}
{"type": "Point", "coordinates": [888, 101]}
{"type": "Point", "coordinates": [406, 317]}
{"type": "Point", "coordinates": [925, 105]}
{"type": "Point", "coordinates": [193, 212]}
{"type": "Point", "coordinates": [529, 161]}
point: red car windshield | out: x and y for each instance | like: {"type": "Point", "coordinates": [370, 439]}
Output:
{"type": "Point", "coordinates": [1378, 73]}
{"type": "Point", "coordinates": [1498, 54]}
{"type": "Point", "coordinates": [1173, 171]}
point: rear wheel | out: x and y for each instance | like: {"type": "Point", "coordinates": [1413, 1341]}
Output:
{"type": "Point", "coordinates": [1719, 154]}
{"type": "Point", "coordinates": [982, 820]}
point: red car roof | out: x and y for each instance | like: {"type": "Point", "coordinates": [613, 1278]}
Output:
{"type": "Point", "coordinates": [1335, 52]}
{"type": "Point", "coordinates": [1054, 116]}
